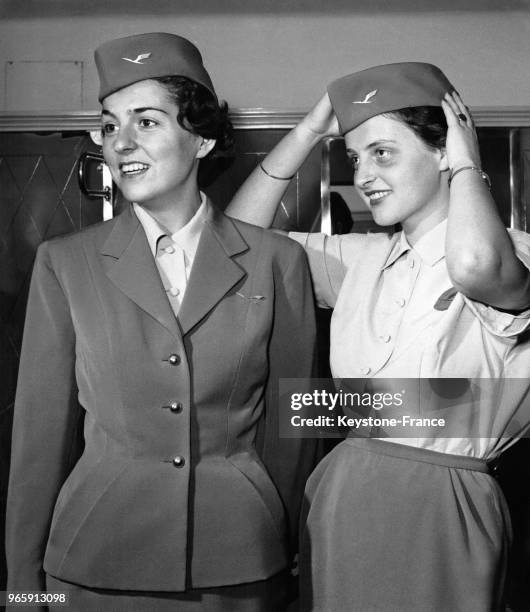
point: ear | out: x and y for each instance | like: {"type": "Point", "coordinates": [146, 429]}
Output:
{"type": "Point", "coordinates": [206, 145]}
{"type": "Point", "coordinates": [444, 162]}
{"type": "Point", "coordinates": [96, 137]}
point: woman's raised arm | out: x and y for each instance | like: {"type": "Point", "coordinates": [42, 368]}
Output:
{"type": "Point", "coordinates": [480, 255]}
{"type": "Point", "coordinates": [257, 199]}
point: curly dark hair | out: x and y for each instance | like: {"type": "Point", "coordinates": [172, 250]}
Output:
{"type": "Point", "coordinates": [427, 122]}
{"type": "Point", "coordinates": [199, 111]}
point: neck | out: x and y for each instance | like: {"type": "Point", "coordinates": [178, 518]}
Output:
{"type": "Point", "coordinates": [177, 211]}
{"type": "Point", "coordinates": [429, 216]}
{"type": "Point", "coordinates": [413, 234]}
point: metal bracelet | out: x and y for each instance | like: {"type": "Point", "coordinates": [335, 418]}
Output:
{"type": "Point", "coordinates": [278, 178]}
{"type": "Point", "coordinates": [483, 175]}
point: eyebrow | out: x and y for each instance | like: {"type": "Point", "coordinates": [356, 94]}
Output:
{"type": "Point", "coordinates": [136, 111]}
{"type": "Point", "coordinates": [376, 143]}
{"type": "Point", "coordinates": [142, 109]}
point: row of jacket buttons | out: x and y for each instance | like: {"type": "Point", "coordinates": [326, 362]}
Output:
{"type": "Point", "coordinates": [177, 407]}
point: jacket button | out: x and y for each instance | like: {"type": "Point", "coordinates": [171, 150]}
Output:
{"type": "Point", "coordinates": [174, 359]}
{"type": "Point", "coordinates": [179, 461]}
{"type": "Point", "coordinates": [176, 407]}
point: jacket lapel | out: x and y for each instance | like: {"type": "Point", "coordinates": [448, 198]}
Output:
{"type": "Point", "coordinates": [130, 266]}
{"type": "Point", "coordinates": [214, 272]}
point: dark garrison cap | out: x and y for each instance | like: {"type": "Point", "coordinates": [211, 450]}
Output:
{"type": "Point", "coordinates": [381, 89]}
{"type": "Point", "coordinates": [125, 61]}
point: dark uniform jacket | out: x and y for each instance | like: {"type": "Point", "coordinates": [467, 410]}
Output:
{"type": "Point", "coordinates": [183, 480]}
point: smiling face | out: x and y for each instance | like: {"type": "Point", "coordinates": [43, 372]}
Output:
{"type": "Point", "coordinates": [152, 159]}
{"type": "Point", "coordinates": [397, 175]}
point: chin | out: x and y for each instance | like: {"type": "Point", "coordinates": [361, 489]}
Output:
{"type": "Point", "coordinates": [384, 220]}
{"type": "Point", "coordinates": [133, 195]}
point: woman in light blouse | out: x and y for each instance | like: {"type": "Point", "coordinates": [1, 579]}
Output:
{"type": "Point", "coordinates": [410, 523]}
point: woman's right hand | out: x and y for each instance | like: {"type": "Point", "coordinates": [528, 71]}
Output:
{"type": "Point", "coordinates": [321, 120]}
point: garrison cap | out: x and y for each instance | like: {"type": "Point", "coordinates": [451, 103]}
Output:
{"type": "Point", "coordinates": [381, 89]}
{"type": "Point", "coordinates": [124, 61]}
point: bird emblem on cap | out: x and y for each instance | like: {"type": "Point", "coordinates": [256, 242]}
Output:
{"type": "Point", "coordinates": [139, 59]}
{"type": "Point", "coordinates": [367, 98]}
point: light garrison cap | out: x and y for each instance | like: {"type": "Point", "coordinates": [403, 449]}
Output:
{"type": "Point", "coordinates": [381, 89]}
{"type": "Point", "coordinates": [124, 61]}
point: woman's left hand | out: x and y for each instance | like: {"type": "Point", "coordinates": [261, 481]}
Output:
{"type": "Point", "coordinates": [462, 142]}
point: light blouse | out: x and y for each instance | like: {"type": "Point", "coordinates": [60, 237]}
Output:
{"type": "Point", "coordinates": [174, 253]}
{"type": "Point", "coordinates": [397, 316]}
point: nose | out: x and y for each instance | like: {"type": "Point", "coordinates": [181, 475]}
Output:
{"type": "Point", "coordinates": [364, 174]}
{"type": "Point", "coordinates": [125, 139]}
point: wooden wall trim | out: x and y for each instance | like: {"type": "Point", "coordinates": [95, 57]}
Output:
{"type": "Point", "coordinates": [243, 119]}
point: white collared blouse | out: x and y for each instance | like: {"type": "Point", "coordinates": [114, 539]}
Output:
{"type": "Point", "coordinates": [174, 253]}
{"type": "Point", "coordinates": [397, 316]}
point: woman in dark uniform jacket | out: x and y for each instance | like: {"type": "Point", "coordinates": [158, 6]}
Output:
{"type": "Point", "coordinates": [182, 494]}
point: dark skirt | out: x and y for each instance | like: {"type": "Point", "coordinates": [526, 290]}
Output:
{"type": "Point", "coordinates": [388, 527]}
{"type": "Point", "coordinates": [262, 596]}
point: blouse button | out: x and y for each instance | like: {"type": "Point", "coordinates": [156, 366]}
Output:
{"type": "Point", "coordinates": [366, 370]}
{"type": "Point", "coordinates": [173, 291]}
{"type": "Point", "coordinates": [386, 338]}
{"type": "Point", "coordinates": [400, 302]}
{"type": "Point", "coordinates": [169, 249]}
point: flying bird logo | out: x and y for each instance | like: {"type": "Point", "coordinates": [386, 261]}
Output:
{"type": "Point", "coordinates": [139, 59]}
{"type": "Point", "coordinates": [367, 98]}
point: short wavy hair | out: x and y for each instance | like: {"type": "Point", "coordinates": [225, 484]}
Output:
{"type": "Point", "coordinates": [427, 122]}
{"type": "Point", "coordinates": [199, 111]}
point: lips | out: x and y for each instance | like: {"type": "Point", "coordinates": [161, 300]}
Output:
{"type": "Point", "coordinates": [133, 168]}
{"type": "Point", "coordinates": [376, 196]}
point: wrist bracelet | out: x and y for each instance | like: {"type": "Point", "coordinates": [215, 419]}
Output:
{"type": "Point", "coordinates": [278, 178]}
{"type": "Point", "coordinates": [483, 175]}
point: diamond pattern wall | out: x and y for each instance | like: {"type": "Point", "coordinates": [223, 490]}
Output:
{"type": "Point", "coordinates": [39, 199]}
